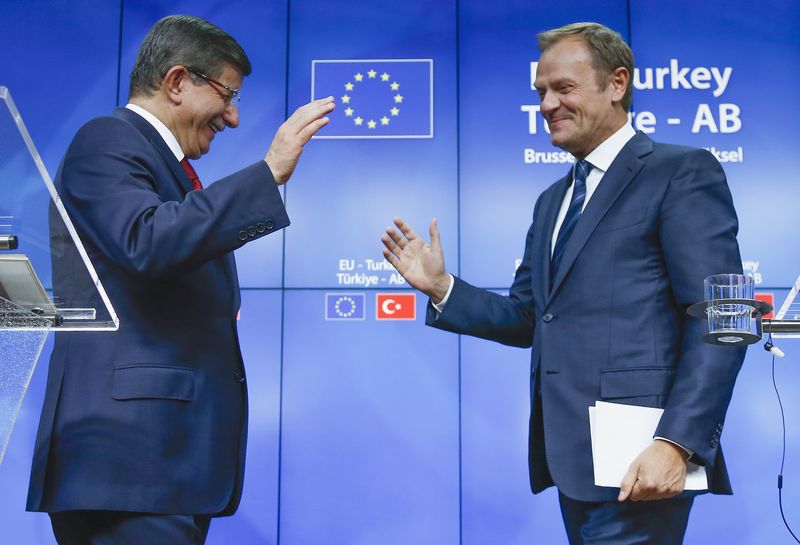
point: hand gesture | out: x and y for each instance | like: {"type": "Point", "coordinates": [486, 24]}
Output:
{"type": "Point", "coordinates": [659, 472]}
{"type": "Point", "coordinates": [422, 265]}
{"type": "Point", "coordinates": [288, 143]}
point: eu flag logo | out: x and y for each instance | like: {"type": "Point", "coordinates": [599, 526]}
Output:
{"type": "Point", "coordinates": [376, 98]}
{"type": "Point", "coordinates": [345, 306]}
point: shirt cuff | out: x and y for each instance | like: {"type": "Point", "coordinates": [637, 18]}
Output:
{"type": "Point", "coordinates": [441, 304]}
{"type": "Point", "coordinates": [688, 451]}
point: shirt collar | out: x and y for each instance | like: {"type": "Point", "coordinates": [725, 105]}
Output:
{"type": "Point", "coordinates": [603, 155]}
{"type": "Point", "coordinates": [162, 129]}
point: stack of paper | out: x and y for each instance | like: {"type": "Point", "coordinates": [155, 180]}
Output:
{"type": "Point", "coordinates": [619, 434]}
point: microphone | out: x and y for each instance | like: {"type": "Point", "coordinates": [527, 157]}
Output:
{"type": "Point", "coordinates": [774, 350]}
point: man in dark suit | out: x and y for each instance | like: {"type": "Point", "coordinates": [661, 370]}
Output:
{"type": "Point", "coordinates": [143, 431]}
{"type": "Point", "coordinates": [617, 250]}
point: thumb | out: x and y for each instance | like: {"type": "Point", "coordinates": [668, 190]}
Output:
{"type": "Point", "coordinates": [628, 481]}
{"type": "Point", "coordinates": [436, 241]}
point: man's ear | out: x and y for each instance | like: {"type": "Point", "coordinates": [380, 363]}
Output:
{"type": "Point", "coordinates": [619, 83]}
{"type": "Point", "coordinates": [174, 83]}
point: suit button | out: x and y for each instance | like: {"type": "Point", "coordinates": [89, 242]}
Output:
{"type": "Point", "coordinates": [261, 227]}
{"type": "Point", "coordinates": [269, 224]}
{"type": "Point", "coordinates": [547, 318]}
{"type": "Point", "coordinates": [239, 376]}
{"type": "Point", "coordinates": [251, 231]}
{"type": "Point", "coordinates": [242, 235]}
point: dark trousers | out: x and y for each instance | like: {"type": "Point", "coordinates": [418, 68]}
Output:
{"type": "Point", "coordinates": [123, 528]}
{"type": "Point", "coordinates": [661, 522]}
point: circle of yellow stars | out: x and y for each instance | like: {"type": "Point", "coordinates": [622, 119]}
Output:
{"type": "Point", "coordinates": [359, 78]}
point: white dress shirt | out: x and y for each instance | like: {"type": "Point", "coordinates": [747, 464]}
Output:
{"type": "Point", "coordinates": [600, 158]}
{"type": "Point", "coordinates": [162, 129]}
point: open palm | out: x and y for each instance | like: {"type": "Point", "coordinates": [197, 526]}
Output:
{"type": "Point", "coordinates": [421, 264]}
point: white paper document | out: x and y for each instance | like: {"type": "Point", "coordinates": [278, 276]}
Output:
{"type": "Point", "coordinates": [619, 434]}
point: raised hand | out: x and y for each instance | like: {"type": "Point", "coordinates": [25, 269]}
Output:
{"type": "Point", "coordinates": [421, 264]}
{"type": "Point", "coordinates": [295, 132]}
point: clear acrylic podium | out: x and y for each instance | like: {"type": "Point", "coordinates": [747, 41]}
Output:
{"type": "Point", "coordinates": [37, 243]}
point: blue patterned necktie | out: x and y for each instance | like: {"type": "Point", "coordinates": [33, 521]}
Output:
{"type": "Point", "coordinates": [582, 169]}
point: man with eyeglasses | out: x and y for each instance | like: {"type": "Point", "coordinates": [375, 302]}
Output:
{"type": "Point", "coordinates": [143, 431]}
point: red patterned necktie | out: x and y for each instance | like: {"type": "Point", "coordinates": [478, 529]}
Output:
{"type": "Point", "coordinates": [191, 173]}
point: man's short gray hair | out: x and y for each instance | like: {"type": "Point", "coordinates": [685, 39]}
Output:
{"type": "Point", "coordinates": [186, 41]}
{"type": "Point", "coordinates": [609, 51]}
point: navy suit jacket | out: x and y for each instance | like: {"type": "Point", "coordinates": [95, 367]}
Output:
{"type": "Point", "coordinates": [612, 324]}
{"type": "Point", "coordinates": [152, 417]}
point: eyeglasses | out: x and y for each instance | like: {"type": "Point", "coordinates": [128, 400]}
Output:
{"type": "Point", "coordinates": [231, 99]}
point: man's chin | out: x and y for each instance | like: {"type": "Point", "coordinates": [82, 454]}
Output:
{"type": "Point", "coordinates": [559, 140]}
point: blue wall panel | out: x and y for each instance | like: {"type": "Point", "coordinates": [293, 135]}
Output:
{"type": "Point", "coordinates": [55, 94]}
{"type": "Point", "coordinates": [498, 506]}
{"type": "Point", "coordinates": [256, 521]}
{"type": "Point", "coordinates": [346, 192]}
{"type": "Point", "coordinates": [370, 429]}
{"type": "Point", "coordinates": [757, 42]}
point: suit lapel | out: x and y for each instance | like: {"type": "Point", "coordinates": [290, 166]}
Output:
{"type": "Point", "coordinates": [149, 132]}
{"type": "Point", "coordinates": [621, 172]}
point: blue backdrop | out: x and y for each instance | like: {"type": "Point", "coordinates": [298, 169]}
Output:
{"type": "Point", "coordinates": [378, 431]}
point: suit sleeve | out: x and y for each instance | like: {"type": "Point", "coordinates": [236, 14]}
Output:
{"type": "Point", "coordinates": [108, 185]}
{"type": "Point", "coordinates": [473, 311]}
{"type": "Point", "coordinates": [698, 228]}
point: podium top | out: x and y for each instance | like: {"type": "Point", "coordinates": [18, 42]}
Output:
{"type": "Point", "coordinates": [47, 243]}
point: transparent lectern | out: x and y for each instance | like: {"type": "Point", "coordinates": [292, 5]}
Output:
{"type": "Point", "coordinates": [38, 243]}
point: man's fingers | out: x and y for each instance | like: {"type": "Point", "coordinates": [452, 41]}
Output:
{"type": "Point", "coordinates": [311, 116]}
{"type": "Point", "coordinates": [436, 241]}
{"type": "Point", "coordinates": [628, 482]}
{"type": "Point", "coordinates": [311, 129]}
{"type": "Point", "coordinates": [397, 238]}
{"type": "Point", "coordinates": [307, 114]}
{"type": "Point", "coordinates": [391, 258]}
{"type": "Point", "coordinates": [639, 492]}
{"type": "Point", "coordinates": [390, 244]}
{"type": "Point", "coordinates": [405, 229]}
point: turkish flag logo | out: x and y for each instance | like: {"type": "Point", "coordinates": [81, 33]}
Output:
{"type": "Point", "coordinates": [396, 306]}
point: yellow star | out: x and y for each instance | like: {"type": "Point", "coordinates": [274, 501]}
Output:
{"type": "Point", "coordinates": [372, 73]}
{"type": "Point", "coordinates": [348, 86]}
{"type": "Point", "coordinates": [358, 121]}
{"type": "Point", "coordinates": [346, 99]}
{"type": "Point", "coordinates": [384, 77]}
{"type": "Point", "coordinates": [348, 112]}
{"type": "Point", "coordinates": [395, 86]}
{"type": "Point", "coordinates": [384, 120]}
{"type": "Point", "coordinates": [398, 98]}
{"type": "Point", "coordinates": [371, 124]}
{"type": "Point", "coordinates": [359, 76]}
{"type": "Point", "coordinates": [395, 111]}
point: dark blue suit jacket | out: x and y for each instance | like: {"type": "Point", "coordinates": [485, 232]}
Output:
{"type": "Point", "coordinates": [152, 417]}
{"type": "Point", "coordinates": [612, 324]}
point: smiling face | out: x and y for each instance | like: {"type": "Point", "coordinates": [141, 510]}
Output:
{"type": "Point", "coordinates": [580, 113]}
{"type": "Point", "coordinates": [204, 111]}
